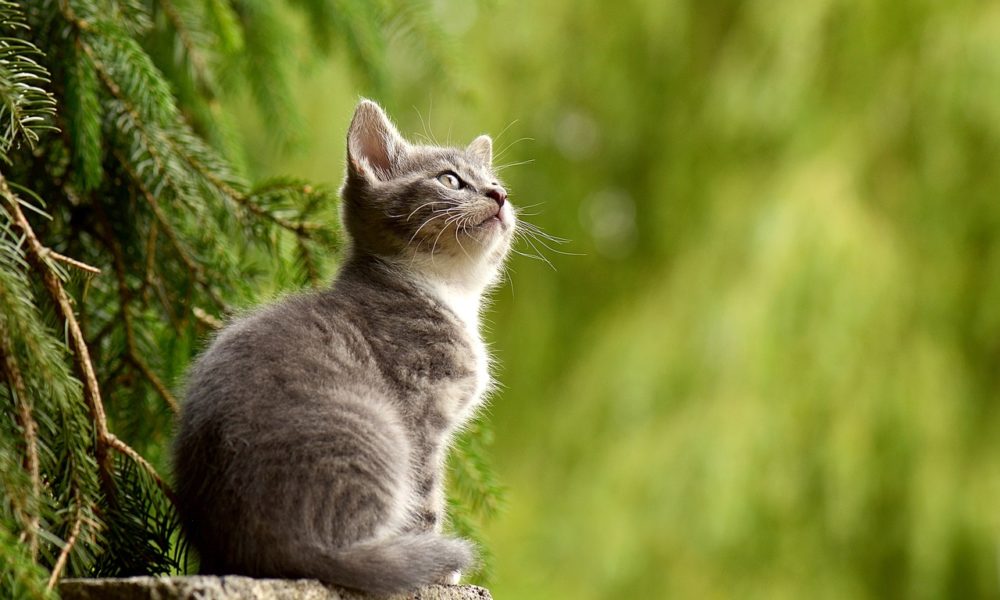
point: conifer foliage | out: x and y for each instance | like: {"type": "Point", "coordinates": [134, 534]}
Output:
{"type": "Point", "coordinates": [128, 231]}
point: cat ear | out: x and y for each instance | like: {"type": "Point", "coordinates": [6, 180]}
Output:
{"type": "Point", "coordinates": [481, 149]}
{"type": "Point", "coordinates": [374, 146]}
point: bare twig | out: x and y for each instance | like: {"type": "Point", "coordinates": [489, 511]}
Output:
{"type": "Point", "coordinates": [155, 380]}
{"type": "Point", "coordinates": [67, 548]}
{"type": "Point", "coordinates": [125, 295]}
{"type": "Point", "coordinates": [72, 262]}
{"type": "Point", "coordinates": [206, 319]}
{"type": "Point", "coordinates": [147, 280]}
{"type": "Point", "coordinates": [27, 422]}
{"type": "Point", "coordinates": [115, 442]}
{"type": "Point", "coordinates": [167, 305]}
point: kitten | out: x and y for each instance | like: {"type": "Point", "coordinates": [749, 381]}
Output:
{"type": "Point", "coordinates": [313, 438]}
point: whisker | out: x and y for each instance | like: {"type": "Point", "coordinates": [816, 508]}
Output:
{"type": "Point", "coordinates": [430, 115]}
{"type": "Point", "coordinates": [447, 222]}
{"type": "Point", "coordinates": [428, 204]}
{"type": "Point", "coordinates": [424, 224]}
{"type": "Point", "coordinates": [513, 164]}
{"type": "Point", "coordinates": [427, 135]}
{"type": "Point", "coordinates": [504, 130]}
{"type": "Point", "coordinates": [461, 227]}
{"type": "Point", "coordinates": [539, 255]}
{"type": "Point", "coordinates": [511, 145]}
{"type": "Point", "coordinates": [541, 241]}
{"type": "Point", "coordinates": [535, 229]}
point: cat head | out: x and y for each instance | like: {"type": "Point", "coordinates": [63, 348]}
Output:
{"type": "Point", "coordinates": [437, 209]}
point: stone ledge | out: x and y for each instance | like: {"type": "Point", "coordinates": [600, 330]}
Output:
{"type": "Point", "coordinates": [234, 587]}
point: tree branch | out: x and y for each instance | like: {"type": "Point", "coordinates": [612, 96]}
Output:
{"type": "Point", "coordinates": [72, 262]}
{"type": "Point", "coordinates": [198, 62]}
{"type": "Point", "coordinates": [119, 445]}
{"type": "Point", "coordinates": [196, 270]}
{"type": "Point", "coordinates": [27, 422]}
{"type": "Point", "coordinates": [147, 279]}
{"type": "Point", "coordinates": [125, 296]}
{"type": "Point", "coordinates": [36, 253]}
{"type": "Point", "coordinates": [67, 548]}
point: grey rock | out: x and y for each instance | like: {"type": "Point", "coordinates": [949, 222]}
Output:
{"type": "Point", "coordinates": [234, 587]}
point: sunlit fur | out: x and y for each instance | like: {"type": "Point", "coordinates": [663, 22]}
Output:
{"type": "Point", "coordinates": [315, 431]}
{"type": "Point", "coordinates": [405, 215]}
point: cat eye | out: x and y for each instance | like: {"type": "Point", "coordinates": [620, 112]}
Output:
{"type": "Point", "coordinates": [450, 181]}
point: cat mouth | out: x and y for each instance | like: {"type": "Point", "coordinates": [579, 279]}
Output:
{"type": "Point", "coordinates": [494, 219]}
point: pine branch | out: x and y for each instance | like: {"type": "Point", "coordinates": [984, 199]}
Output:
{"type": "Point", "coordinates": [194, 268]}
{"type": "Point", "coordinates": [83, 114]}
{"type": "Point", "coordinates": [67, 548]}
{"type": "Point", "coordinates": [264, 64]}
{"type": "Point", "coordinates": [150, 271]}
{"type": "Point", "coordinates": [12, 373]}
{"type": "Point", "coordinates": [188, 31]}
{"type": "Point", "coordinates": [142, 141]}
{"type": "Point", "coordinates": [115, 442]}
{"type": "Point", "coordinates": [25, 107]}
{"type": "Point", "coordinates": [125, 295]}
{"type": "Point", "coordinates": [36, 253]}
{"type": "Point", "coordinates": [72, 262]}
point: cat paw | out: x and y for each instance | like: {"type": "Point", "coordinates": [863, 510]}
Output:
{"type": "Point", "coordinates": [451, 578]}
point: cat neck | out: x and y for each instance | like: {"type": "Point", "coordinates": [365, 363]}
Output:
{"type": "Point", "coordinates": [460, 290]}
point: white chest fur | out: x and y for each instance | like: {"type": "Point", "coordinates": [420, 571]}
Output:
{"type": "Point", "coordinates": [465, 304]}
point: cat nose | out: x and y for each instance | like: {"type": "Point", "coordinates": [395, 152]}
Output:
{"type": "Point", "coordinates": [498, 194]}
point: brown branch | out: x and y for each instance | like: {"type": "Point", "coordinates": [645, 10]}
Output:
{"type": "Point", "coordinates": [168, 308]}
{"type": "Point", "coordinates": [206, 319]}
{"type": "Point", "coordinates": [35, 252]}
{"type": "Point", "coordinates": [197, 271]}
{"type": "Point", "coordinates": [27, 422]}
{"type": "Point", "coordinates": [125, 296]}
{"type": "Point", "coordinates": [156, 382]}
{"type": "Point", "coordinates": [147, 280]}
{"type": "Point", "coordinates": [72, 262]}
{"type": "Point", "coordinates": [301, 230]}
{"type": "Point", "coordinates": [115, 442]}
{"type": "Point", "coordinates": [67, 548]}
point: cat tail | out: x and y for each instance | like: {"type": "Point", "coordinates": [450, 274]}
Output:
{"type": "Point", "coordinates": [390, 565]}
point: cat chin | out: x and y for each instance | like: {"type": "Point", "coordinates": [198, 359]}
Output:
{"type": "Point", "coordinates": [474, 265]}
{"type": "Point", "coordinates": [494, 229]}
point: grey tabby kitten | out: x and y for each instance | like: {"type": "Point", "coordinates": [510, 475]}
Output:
{"type": "Point", "coordinates": [313, 439]}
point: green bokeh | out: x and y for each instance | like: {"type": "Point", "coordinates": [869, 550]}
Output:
{"type": "Point", "coordinates": [769, 365]}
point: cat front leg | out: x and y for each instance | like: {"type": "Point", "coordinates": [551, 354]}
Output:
{"type": "Point", "coordinates": [452, 578]}
{"type": "Point", "coordinates": [429, 512]}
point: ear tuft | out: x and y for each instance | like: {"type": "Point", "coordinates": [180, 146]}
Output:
{"type": "Point", "coordinates": [481, 149]}
{"type": "Point", "coordinates": [373, 143]}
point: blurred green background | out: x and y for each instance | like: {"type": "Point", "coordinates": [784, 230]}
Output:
{"type": "Point", "coordinates": [769, 365]}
